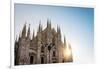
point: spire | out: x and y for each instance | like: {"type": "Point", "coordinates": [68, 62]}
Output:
{"type": "Point", "coordinates": [28, 33]}
{"type": "Point", "coordinates": [64, 40]}
{"type": "Point", "coordinates": [33, 35]}
{"type": "Point", "coordinates": [16, 39]}
{"type": "Point", "coordinates": [20, 34]}
{"type": "Point", "coordinates": [58, 33]}
{"type": "Point", "coordinates": [58, 29]}
{"type": "Point", "coordinates": [40, 27]}
{"type": "Point", "coordinates": [69, 46]}
{"type": "Point", "coordinates": [24, 30]}
{"type": "Point", "coordinates": [48, 23]}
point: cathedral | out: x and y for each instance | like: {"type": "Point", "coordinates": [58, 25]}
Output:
{"type": "Point", "coordinates": [43, 48]}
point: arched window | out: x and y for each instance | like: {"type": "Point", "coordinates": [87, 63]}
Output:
{"type": "Point", "coordinates": [54, 53]}
{"type": "Point", "coordinates": [42, 49]}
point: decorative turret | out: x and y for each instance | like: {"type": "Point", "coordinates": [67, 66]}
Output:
{"type": "Point", "coordinates": [24, 31]}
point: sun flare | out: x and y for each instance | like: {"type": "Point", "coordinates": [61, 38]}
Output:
{"type": "Point", "coordinates": [68, 53]}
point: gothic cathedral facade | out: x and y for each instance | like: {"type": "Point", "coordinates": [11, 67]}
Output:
{"type": "Point", "coordinates": [43, 48]}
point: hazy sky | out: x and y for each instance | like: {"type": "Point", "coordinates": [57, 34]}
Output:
{"type": "Point", "coordinates": [76, 23]}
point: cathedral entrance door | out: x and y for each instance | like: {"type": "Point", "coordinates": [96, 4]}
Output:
{"type": "Point", "coordinates": [31, 59]}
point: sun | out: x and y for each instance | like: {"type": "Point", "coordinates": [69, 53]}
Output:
{"type": "Point", "coordinates": [68, 52]}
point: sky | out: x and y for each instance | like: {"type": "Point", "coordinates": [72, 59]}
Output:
{"type": "Point", "coordinates": [76, 24]}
